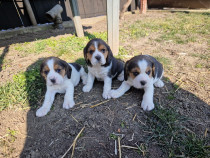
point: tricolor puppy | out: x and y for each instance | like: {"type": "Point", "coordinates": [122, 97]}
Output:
{"type": "Point", "coordinates": [60, 77]}
{"type": "Point", "coordinates": [141, 72]}
{"type": "Point", "coordinates": [101, 65]}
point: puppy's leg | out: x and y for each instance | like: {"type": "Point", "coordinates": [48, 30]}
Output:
{"type": "Point", "coordinates": [121, 76]}
{"type": "Point", "coordinates": [83, 75]}
{"type": "Point", "coordinates": [69, 97]}
{"type": "Point", "coordinates": [90, 81]}
{"type": "Point", "coordinates": [120, 91]}
{"type": "Point", "coordinates": [107, 87]}
{"type": "Point", "coordinates": [147, 102]}
{"type": "Point", "coordinates": [159, 83]}
{"type": "Point", "coordinates": [48, 101]}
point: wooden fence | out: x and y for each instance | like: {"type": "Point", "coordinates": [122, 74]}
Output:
{"type": "Point", "coordinates": [13, 13]}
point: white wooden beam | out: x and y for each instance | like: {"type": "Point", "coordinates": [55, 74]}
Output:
{"type": "Point", "coordinates": [113, 7]}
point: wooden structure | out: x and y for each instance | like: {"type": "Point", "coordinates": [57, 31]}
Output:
{"type": "Point", "coordinates": [76, 18]}
{"type": "Point", "coordinates": [30, 12]}
{"type": "Point", "coordinates": [113, 7]}
{"type": "Point", "coordinates": [88, 8]}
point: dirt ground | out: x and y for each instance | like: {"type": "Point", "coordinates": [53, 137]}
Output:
{"type": "Point", "coordinates": [52, 135]}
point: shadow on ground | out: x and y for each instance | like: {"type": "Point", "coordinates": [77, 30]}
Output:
{"type": "Point", "coordinates": [29, 37]}
{"type": "Point", "coordinates": [3, 54]}
{"type": "Point", "coordinates": [53, 134]}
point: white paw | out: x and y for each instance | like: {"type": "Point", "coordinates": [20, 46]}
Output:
{"type": "Point", "coordinates": [147, 105]}
{"type": "Point", "coordinates": [106, 95]}
{"type": "Point", "coordinates": [84, 80]}
{"type": "Point", "coordinates": [42, 111]}
{"type": "Point", "coordinates": [68, 104]}
{"type": "Point", "coordinates": [120, 78]}
{"type": "Point", "coordinates": [86, 88]}
{"type": "Point", "coordinates": [114, 94]}
{"type": "Point", "coordinates": [159, 83]}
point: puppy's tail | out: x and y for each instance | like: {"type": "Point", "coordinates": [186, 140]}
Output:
{"type": "Point", "coordinates": [83, 75]}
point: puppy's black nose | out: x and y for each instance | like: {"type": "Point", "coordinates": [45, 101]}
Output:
{"type": "Point", "coordinates": [98, 57]}
{"type": "Point", "coordinates": [143, 83]}
{"type": "Point", "coordinates": [52, 80]}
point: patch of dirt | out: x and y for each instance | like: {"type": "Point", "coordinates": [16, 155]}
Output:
{"type": "Point", "coordinates": [52, 135]}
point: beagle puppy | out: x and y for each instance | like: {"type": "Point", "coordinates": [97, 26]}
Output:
{"type": "Point", "coordinates": [60, 77]}
{"type": "Point", "coordinates": [141, 72]}
{"type": "Point", "coordinates": [101, 65]}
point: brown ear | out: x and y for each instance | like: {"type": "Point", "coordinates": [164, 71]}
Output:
{"type": "Point", "coordinates": [68, 71]}
{"type": "Point", "coordinates": [67, 67]}
{"type": "Point", "coordinates": [153, 70]}
{"type": "Point", "coordinates": [85, 51]}
{"type": "Point", "coordinates": [41, 69]}
{"type": "Point", "coordinates": [126, 74]}
{"type": "Point", "coordinates": [110, 55]}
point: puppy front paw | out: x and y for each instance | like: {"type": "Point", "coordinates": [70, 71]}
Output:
{"type": "Point", "coordinates": [147, 105]}
{"type": "Point", "coordinates": [84, 80]}
{"type": "Point", "coordinates": [42, 111]}
{"type": "Point", "coordinates": [68, 104]}
{"type": "Point", "coordinates": [114, 94]}
{"type": "Point", "coordinates": [159, 84]}
{"type": "Point", "coordinates": [86, 88]}
{"type": "Point", "coordinates": [106, 95]}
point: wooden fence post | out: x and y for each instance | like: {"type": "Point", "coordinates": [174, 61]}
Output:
{"type": "Point", "coordinates": [143, 7]}
{"type": "Point", "coordinates": [113, 7]}
{"type": "Point", "coordinates": [30, 12]}
{"type": "Point", "coordinates": [76, 18]}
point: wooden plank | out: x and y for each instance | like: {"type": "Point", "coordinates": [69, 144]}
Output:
{"type": "Point", "coordinates": [113, 25]}
{"type": "Point", "coordinates": [66, 10]}
{"type": "Point", "coordinates": [101, 7]}
{"type": "Point", "coordinates": [81, 8]}
{"type": "Point", "coordinates": [76, 18]}
{"type": "Point", "coordinates": [133, 5]}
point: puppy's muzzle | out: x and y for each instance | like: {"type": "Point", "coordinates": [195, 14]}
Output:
{"type": "Point", "coordinates": [143, 83]}
{"type": "Point", "coordinates": [98, 58]}
{"type": "Point", "coordinates": [53, 80]}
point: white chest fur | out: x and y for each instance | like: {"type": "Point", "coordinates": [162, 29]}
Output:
{"type": "Point", "coordinates": [99, 72]}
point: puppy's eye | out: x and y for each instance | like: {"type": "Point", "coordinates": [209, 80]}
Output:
{"type": "Point", "coordinates": [103, 50]}
{"type": "Point", "coordinates": [135, 73]}
{"type": "Point", "coordinates": [148, 72]}
{"type": "Point", "coordinates": [46, 72]}
{"type": "Point", "coordinates": [58, 70]}
{"type": "Point", "coordinates": [91, 51]}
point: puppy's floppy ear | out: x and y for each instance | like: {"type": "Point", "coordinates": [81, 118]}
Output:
{"type": "Point", "coordinates": [109, 56]}
{"type": "Point", "coordinates": [68, 71]}
{"type": "Point", "coordinates": [153, 70]}
{"type": "Point", "coordinates": [67, 68]}
{"type": "Point", "coordinates": [85, 51]}
{"type": "Point", "coordinates": [126, 74]}
{"type": "Point", "coordinates": [41, 69]}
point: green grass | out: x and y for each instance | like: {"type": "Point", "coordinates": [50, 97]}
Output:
{"type": "Point", "coordinates": [6, 141]}
{"type": "Point", "coordinates": [58, 46]}
{"type": "Point", "coordinates": [201, 56]}
{"type": "Point", "coordinates": [26, 89]}
{"type": "Point", "coordinates": [165, 61]}
{"type": "Point", "coordinates": [199, 65]}
{"type": "Point", "coordinates": [179, 28]}
{"type": "Point", "coordinates": [166, 130]}
{"type": "Point", "coordinates": [113, 136]}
